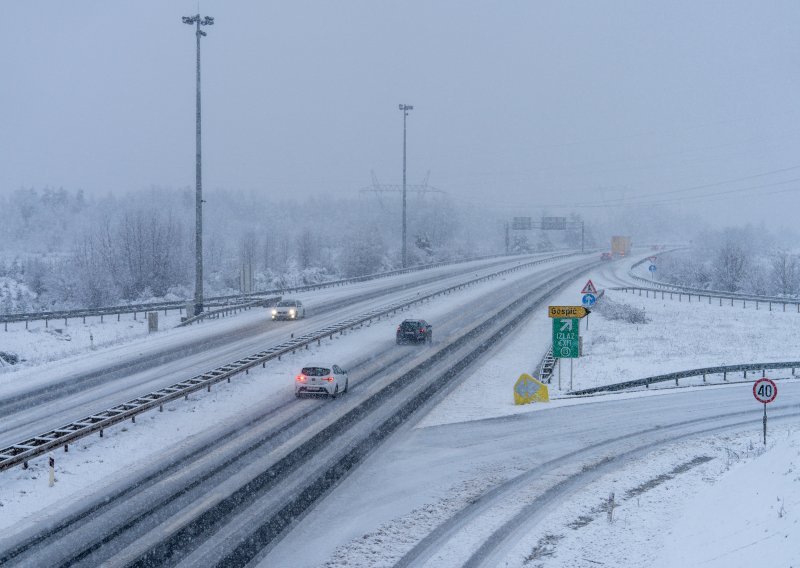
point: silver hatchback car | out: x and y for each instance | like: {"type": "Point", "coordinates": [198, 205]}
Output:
{"type": "Point", "coordinates": [288, 310]}
{"type": "Point", "coordinates": [321, 379]}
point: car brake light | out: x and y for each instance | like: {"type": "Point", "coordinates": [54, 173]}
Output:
{"type": "Point", "coordinates": [422, 330]}
{"type": "Point", "coordinates": [301, 378]}
{"type": "Point", "coordinates": [329, 379]}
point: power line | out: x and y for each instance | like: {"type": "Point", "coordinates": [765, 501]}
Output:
{"type": "Point", "coordinates": [700, 197]}
{"type": "Point", "coordinates": [707, 195]}
{"type": "Point", "coordinates": [702, 186]}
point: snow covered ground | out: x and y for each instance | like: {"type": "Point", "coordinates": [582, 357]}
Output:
{"type": "Point", "coordinates": [79, 355]}
{"type": "Point", "coordinates": [679, 336]}
{"type": "Point", "coordinates": [42, 344]}
{"type": "Point", "coordinates": [661, 500]}
{"type": "Point", "coordinates": [719, 501]}
{"type": "Point", "coordinates": [691, 518]}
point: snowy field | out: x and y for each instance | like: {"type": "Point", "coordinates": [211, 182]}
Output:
{"type": "Point", "coordinates": [722, 502]}
{"type": "Point", "coordinates": [668, 512]}
{"type": "Point", "coordinates": [42, 344]}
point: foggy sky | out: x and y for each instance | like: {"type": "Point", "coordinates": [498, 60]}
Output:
{"type": "Point", "coordinates": [529, 105]}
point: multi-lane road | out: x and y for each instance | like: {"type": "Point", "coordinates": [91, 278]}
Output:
{"type": "Point", "coordinates": [157, 517]}
{"type": "Point", "coordinates": [287, 482]}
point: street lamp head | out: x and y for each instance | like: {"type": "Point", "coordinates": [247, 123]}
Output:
{"type": "Point", "coordinates": [190, 19]}
{"type": "Point", "coordinates": [207, 21]}
{"type": "Point", "coordinates": [405, 108]}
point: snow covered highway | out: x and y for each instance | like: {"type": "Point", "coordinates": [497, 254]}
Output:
{"type": "Point", "coordinates": [392, 473]}
{"type": "Point", "coordinates": [456, 315]}
{"type": "Point", "coordinates": [38, 399]}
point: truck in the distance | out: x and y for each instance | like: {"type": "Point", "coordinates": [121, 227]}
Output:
{"type": "Point", "coordinates": [620, 246]}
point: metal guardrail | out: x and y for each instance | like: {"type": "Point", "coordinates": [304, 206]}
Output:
{"type": "Point", "coordinates": [94, 312]}
{"type": "Point", "coordinates": [21, 452]}
{"type": "Point", "coordinates": [705, 292]}
{"type": "Point", "coordinates": [755, 301]}
{"type": "Point", "coordinates": [544, 370]}
{"type": "Point", "coordinates": [236, 308]}
{"type": "Point", "coordinates": [702, 372]}
{"type": "Point", "coordinates": [218, 301]}
{"type": "Point", "coordinates": [109, 311]}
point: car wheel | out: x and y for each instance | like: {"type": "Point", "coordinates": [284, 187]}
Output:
{"type": "Point", "coordinates": [297, 395]}
{"type": "Point", "coordinates": [335, 392]}
{"type": "Point", "coordinates": [346, 384]}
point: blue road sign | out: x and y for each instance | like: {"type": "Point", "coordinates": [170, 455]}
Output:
{"type": "Point", "coordinates": [652, 268]}
{"type": "Point", "coordinates": [588, 300]}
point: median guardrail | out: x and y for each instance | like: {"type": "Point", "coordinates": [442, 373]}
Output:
{"type": "Point", "coordinates": [229, 310]}
{"type": "Point", "coordinates": [704, 372]}
{"type": "Point", "coordinates": [21, 452]}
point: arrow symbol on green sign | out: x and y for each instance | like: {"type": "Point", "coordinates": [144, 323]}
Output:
{"type": "Point", "coordinates": [566, 325]}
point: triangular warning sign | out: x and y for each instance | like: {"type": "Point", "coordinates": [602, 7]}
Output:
{"type": "Point", "coordinates": [589, 288]}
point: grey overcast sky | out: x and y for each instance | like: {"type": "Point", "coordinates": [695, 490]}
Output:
{"type": "Point", "coordinates": [524, 104]}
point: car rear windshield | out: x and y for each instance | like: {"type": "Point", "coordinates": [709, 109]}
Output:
{"type": "Point", "coordinates": [316, 371]}
{"type": "Point", "coordinates": [287, 304]}
{"type": "Point", "coordinates": [410, 325]}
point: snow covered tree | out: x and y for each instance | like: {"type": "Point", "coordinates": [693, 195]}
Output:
{"type": "Point", "coordinates": [784, 273]}
{"type": "Point", "coordinates": [364, 253]}
{"type": "Point", "coordinates": [730, 267]}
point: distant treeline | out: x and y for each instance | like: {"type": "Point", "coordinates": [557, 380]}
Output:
{"type": "Point", "coordinates": [60, 249]}
{"type": "Point", "coordinates": [747, 259]}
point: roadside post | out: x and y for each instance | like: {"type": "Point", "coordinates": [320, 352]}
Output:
{"type": "Point", "coordinates": [52, 462]}
{"type": "Point", "coordinates": [588, 301]}
{"type": "Point", "coordinates": [152, 322]}
{"type": "Point", "coordinates": [765, 391]}
{"type": "Point", "coordinates": [652, 268]}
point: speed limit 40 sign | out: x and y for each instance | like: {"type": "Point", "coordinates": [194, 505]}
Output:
{"type": "Point", "coordinates": [765, 390]}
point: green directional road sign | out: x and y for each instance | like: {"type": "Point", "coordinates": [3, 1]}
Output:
{"type": "Point", "coordinates": [566, 340]}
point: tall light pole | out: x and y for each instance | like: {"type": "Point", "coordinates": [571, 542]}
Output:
{"type": "Point", "coordinates": [197, 21]}
{"type": "Point", "coordinates": [405, 109]}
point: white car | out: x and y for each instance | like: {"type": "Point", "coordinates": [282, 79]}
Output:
{"type": "Point", "coordinates": [288, 310]}
{"type": "Point", "coordinates": [321, 379]}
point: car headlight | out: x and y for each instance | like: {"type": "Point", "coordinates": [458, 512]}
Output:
{"type": "Point", "coordinates": [291, 312]}
{"type": "Point", "coordinates": [274, 312]}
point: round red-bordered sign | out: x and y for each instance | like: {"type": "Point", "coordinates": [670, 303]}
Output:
{"type": "Point", "coordinates": [765, 390]}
